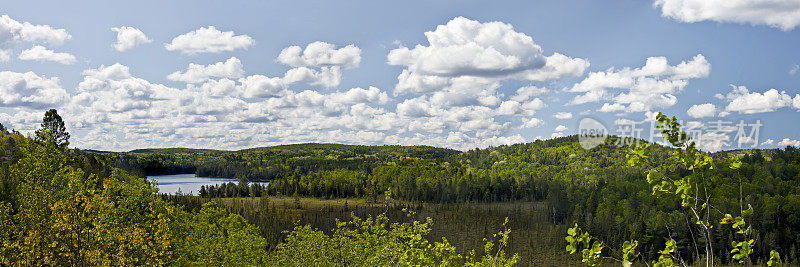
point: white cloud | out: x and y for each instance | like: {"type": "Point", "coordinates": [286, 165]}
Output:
{"type": "Point", "coordinates": [40, 53]}
{"type": "Point", "coordinates": [359, 95]}
{"type": "Point", "coordinates": [702, 111]}
{"type": "Point", "coordinates": [415, 108]}
{"type": "Point", "coordinates": [4, 55]}
{"type": "Point", "coordinates": [114, 89]}
{"type": "Point", "coordinates": [789, 142]}
{"type": "Point", "coordinates": [320, 63]}
{"type": "Point", "coordinates": [13, 32]}
{"type": "Point", "coordinates": [465, 51]}
{"type": "Point", "coordinates": [743, 101]}
{"type": "Point", "coordinates": [781, 14]}
{"type": "Point", "coordinates": [30, 90]}
{"type": "Point", "coordinates": [612, 107]}
{"type": "Point", "coordinates": [527, 92]}
{"type": "Point", "coordinates": [794, 69]}
{"type": "Point", "coordinates": [329, 76]}
{"type": "Point", "coordinates": [563, 115]}
{"type": "Point", "coordinates": [129, 37]}
{"type": "Point", "coordinates": [195, 73]}
{"type": "Point", "coordinates": [208, 40]}
{"type": "Point", "coordinates": [468, 47]}
{"type": "Point", "coordinates": [321, 54]}
{"type": "Point", "coordinates": [768, 142]}
{"type": "Point", "coordinates": [532, 123]}
{"type": "Point", "coordinates": [561, 128]}
{"type": "Point", "coordinates": [652, 86]}
{"type": "Point", "coordinates": [260, 86]}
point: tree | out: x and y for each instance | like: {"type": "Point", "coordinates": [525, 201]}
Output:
{"type": "Point", "coordinates": [53, 129]}
{"type": "Point", "coordinates": [2, 128]}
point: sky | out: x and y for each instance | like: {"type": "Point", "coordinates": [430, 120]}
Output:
{"type": "Point", "coordinates": [455, 74]}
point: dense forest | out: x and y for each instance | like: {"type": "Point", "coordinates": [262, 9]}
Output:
{"type": "Point", "coordinates": [594, 188]}
{"type": "Point", "coordinates": [67, 206]}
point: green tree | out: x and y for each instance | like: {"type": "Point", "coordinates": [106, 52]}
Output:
{"type": "Point", "coordinates": [53, 129]}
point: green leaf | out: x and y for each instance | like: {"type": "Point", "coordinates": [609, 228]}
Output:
{"type": "Point", "coordinates": [748, 211]}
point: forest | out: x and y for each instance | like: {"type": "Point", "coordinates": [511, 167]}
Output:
{"type": "Point", "coordinates": [650, 204]}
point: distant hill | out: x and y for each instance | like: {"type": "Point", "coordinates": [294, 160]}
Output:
{"type": "Point", "coordinates": [419, 151]}
{"type": "Point", "coordinates": [177, 150]}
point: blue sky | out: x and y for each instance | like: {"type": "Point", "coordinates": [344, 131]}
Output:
{"type": "Point", "coordinates": [734, 54]}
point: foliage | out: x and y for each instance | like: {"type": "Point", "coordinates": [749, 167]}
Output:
{"type": "Point", "coordinates": [666, 257]}
{"type": "Point", "coordinates": [375, 241]}
{"type": "Point", "coordinates": [629, 253]}
{"type": "Point", "coordinates": [53, 129]}
{"type": "Point", "coordinates": [590, 247]}
{"type": "Point", "coordinates": [63, 207]}
{"type": "Point", "coordinates": [596, 188]}
{"type": "Point", "coordinates": [774, 259]}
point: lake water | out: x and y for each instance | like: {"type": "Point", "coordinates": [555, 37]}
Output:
{"type": "Point", "coordinates": [188, 184]}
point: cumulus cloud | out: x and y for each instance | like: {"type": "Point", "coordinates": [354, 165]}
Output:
{"type": "Point", "coordinates": [415, 107]}
{"type": "Point", "coordinates": [208, 40]}
{"type": "Point", "coordinates": [789, 142]}
{"type": "Point", "coordinates": [321, 54]}
{"type": "Point", "coordinates": [465, 49]}
{"type": "Point", "coordinates": [468, 47]}
{"type": "Point", "coordinates": [527, 92]}
{"type": "Point", "coordinates": [358, 95]}
{"type": "Point", "coordinates": [30, 90]}
{"type": "Point", "coordinates": [532, 123]}
{"type": "Point", "coordinates": [781, 14]}
{"type": "Point", "coordinates": [129, 37]}
{"type": "Point", "coordinates": [260, 86]}
{"type": "Point", "coordinates": [222, 106]}
{"type": "Point", "coordinates": [13, 32]}
{"type": "Point", "coordinates": [741, 100]}
{"type": "Point", "coordinates": [642, 89]}
{"type": "Point", "coordinates": [114, 89]}
{"type": "Point", "coordinates": [319, 64]}
{"type": "Point", "coordinates": [40, 53]}
{"type": "Point", "coordinates": [195, 73]}
{"type": "Point", "coordinates": [329, 76]}
{"type": "Point", "coordinates": [702, 111]}
{"type": "Point", "coordinates": [561, 128]}
{"type": "Point", "coordinates": [563, 115]}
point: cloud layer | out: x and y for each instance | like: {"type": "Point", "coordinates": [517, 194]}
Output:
{"type": "Point", "coordinates": [650, 87]}
{"type": "Point", "coordinates": [14, 33]}
{"type": "Point", "coordinates": [40, 53]}
{"type": "Point", "coordinates": [208, 40]}
{"type": "Point", "coordinates": [30, 90]}
{"type": "Point", "coordinates": [781, 14]}
{"type": "Point", "coordinates": [467, 84]}
{"type": "Point", "coordinates": [128, 38]}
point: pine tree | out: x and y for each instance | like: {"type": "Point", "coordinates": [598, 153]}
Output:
{"type": "Point", "coordinates": [53, 129]}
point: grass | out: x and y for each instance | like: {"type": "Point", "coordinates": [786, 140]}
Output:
{"type": "Point", "coordinates": [534, 236]}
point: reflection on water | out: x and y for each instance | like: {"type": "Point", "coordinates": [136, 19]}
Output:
{"type": "Point", "coordinates": [188, 184]}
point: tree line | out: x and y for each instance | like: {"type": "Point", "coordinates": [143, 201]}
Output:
{"type": "Point", "coordinates": [62, 206]}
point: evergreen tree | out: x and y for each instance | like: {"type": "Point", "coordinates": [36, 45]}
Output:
{"type": "Point", "coordinates": [53, 129]}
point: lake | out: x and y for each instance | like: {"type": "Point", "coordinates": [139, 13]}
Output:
{"type": "Point", "coordinates": [188, 184]}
